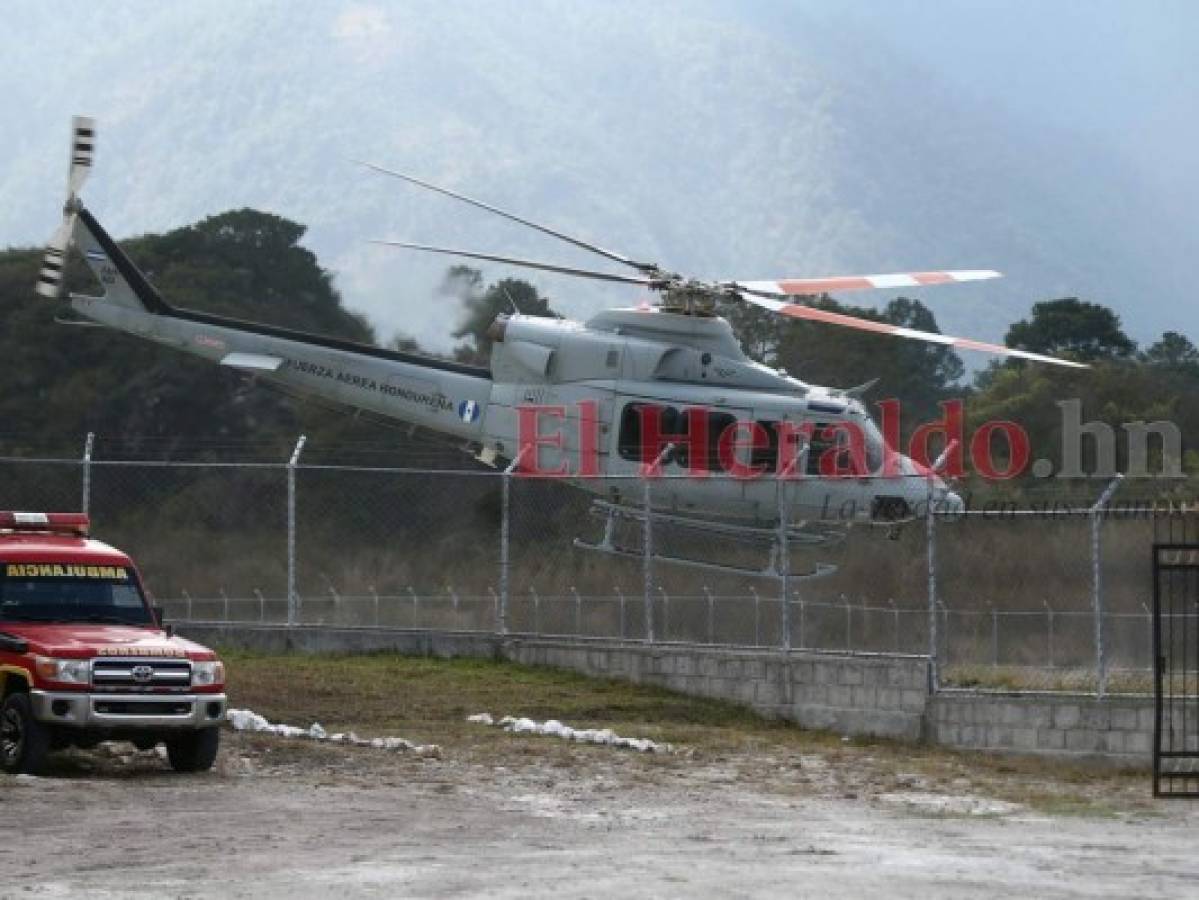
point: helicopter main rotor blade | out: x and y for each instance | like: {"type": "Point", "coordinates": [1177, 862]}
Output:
{"type": "Point", "coordinates": [789, 287]}
{"type": "Point", "coordinates": [526, 263]}
{"type": "Point", "coordinates": [578, 242]}
{"type": "Point", "coordinates": [812, 314]}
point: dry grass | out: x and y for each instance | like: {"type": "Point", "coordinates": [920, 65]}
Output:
{"type": "Point", "coordinates": [428, 700]}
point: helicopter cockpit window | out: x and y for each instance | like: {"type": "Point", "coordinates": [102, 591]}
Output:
{"type": "Point", "coordinates": [838, 437]}
{"type": "Point", "coordinates": [819, 443]}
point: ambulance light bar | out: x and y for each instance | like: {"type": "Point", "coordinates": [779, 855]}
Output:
{"type": "Point", "coordinates": [54, 523]}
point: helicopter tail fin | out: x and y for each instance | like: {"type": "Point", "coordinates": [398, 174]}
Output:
{"type": "Point", "coordinates": [124, 283]}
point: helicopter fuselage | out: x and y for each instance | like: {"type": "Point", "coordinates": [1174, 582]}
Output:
{"type": "Point", "coordinates": [574, 394]}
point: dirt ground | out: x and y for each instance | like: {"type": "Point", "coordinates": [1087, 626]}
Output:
{"type": "Point", "coordinates": [740, 808]}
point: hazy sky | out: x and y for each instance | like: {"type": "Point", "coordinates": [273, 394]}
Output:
{"type": "Point", "coordinates": [606, 118]}
{"type": "Point", "coordinates": [1125, 71]}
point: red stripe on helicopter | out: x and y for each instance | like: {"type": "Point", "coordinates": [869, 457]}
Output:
{"type": "Point", "coordinates": [933, 277]}
{"type": "Point", "coordinates": [823, 315]}
{"type": "Point", "coordinates": [819, 285]}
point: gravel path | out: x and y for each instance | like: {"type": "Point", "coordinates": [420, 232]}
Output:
{"type": "Point", "coordinates": [281, 818]}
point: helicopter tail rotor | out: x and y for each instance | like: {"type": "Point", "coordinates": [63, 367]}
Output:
{"type": "Point", "coordinates": [83, 142]}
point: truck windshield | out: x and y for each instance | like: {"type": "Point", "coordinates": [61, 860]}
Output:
{"type": "Point", "coordinates": [67, 592]}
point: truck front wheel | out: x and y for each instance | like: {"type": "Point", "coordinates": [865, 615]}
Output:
{"type": "Point", "coordinates": [194, 751]}
{"type": "Point", "coordinates": [24, 741]}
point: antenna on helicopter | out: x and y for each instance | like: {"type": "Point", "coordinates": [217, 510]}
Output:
{"type": "Point", "coordinates": [515, 308]}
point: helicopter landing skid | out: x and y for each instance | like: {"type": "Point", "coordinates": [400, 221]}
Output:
{"type": "Point", "coordinates": [796, 537]}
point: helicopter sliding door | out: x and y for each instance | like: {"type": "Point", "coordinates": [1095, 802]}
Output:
{"type": "Point", "coordinates": [694, 477]}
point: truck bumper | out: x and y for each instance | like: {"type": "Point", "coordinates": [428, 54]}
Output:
{"type": "Point", "coordinates": [119, 712]}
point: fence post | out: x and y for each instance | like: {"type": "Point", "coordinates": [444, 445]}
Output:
{"type": "Point", "coordinates": [88, 444]}
{"type": "Point", "coordinates": [293, 599]}
{"type": "Point", "coordinates": [188, 598]}
{"type": "Point", "coordinates": [895, 612]}
{"type": "Point", "coordinates": [994, 635]}
{"type": "Point", "coordinates": [757, 616]}
{"type": "Point", "coordinates": [1097, 584]}
{"type": "Point", "coordinates": [620, 594]}
{"type": "Point", "coordinates": [1049, 615]}
{"type": "Point", "coordinates": [578, 611]}
{"type": "Point", "coordinates": [225, 597]}
{"type": "Point", "coordinates": [415, 607]}
{"type": "Point", "coordinates": [848, 623]}
{"type": "Point", "coordinates": [1149, 630]}
{"type": "Point", "coordinates": [711, 615]}
{"type": "Point", "coordinates": [647, 535]}
{"type": "Point", "coordinates": [536, 611]}
{"type": "Point", "coordinates": [784, 561]}
{"type": "Point", "coordinates": [647, 565]}
{"type": "Point", "coordinates": [934, 677]}
{"type": "Point", "coordinates": [506, 537]}
{"type": "Point", "coordinates": [946, 635]}
{"type": "Point", "coordinates": [375, 594]}
{"type": "Point", "coordinates": [261, 605]}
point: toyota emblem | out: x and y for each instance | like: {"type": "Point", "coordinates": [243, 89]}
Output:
{"type": "Point", "coordinates": [143, 673]}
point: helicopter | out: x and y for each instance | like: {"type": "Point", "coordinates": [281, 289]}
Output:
{"type": "Point", "coordinates": [630, 392]}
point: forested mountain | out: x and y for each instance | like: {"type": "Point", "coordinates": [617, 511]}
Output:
{"type": "Point", "coordinates": [718, 138]}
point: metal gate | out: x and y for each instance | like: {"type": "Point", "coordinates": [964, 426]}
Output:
{"type": "Point", "coordinates": [1176, 658]}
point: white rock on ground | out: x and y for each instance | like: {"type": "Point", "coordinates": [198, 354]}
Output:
{"type": "Point", "coordinates": [555, 728]}
{"type": "Point", "coordinates": [248, 720]}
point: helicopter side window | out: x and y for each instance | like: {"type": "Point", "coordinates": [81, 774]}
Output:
{"type": "Point", "coordinates": [767, 456]}
{"type": "Point", "coordinates": [670, 423]}
{"type": "Point", "coordinates": [718, 424]}
{"type": "Point", "coordinates": [674, 424]}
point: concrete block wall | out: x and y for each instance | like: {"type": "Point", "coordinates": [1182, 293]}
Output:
{"type": "Point", "coordinates": [860, 695]}
{"type": "Point", "coordinates": [880, 696]}
{"type": "Point", "coordinates": [1115, 729]}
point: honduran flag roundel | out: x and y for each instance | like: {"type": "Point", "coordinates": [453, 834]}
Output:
{"type": "Point", "coordinates": [468, 410]}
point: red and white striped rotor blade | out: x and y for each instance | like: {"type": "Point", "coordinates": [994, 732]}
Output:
{"type": "Point", "coordinates": [812, 314]}
{"type": "Point", "coordinates": [788, 287]}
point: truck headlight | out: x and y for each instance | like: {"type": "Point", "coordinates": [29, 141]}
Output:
{"type": "Point", "coordinates": [70, 671]}
{"type": "Point", "coordinates": [208, 672]}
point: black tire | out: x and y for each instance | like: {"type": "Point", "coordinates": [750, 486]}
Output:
{"type": "Point", "coordinates": [194, 751]}
{"type": "Point", "coordinates": [24, 741]}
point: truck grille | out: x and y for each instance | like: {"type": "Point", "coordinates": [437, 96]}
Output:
{"type": "Point", "coordinates": [144, 707]}
{"type": "Point", "coordinates": [141, 674]}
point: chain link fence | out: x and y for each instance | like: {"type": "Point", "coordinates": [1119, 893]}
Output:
{"type": "Point", "coordinates": [1013, 599]}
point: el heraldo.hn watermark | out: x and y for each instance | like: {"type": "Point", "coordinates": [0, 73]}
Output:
{"type": "Point", "coordinates": [706, 441]}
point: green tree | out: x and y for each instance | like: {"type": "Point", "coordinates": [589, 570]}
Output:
{"type": "Point", "coordinates": [59, 383]}
{"type": "Point", "coordinates": [918, 374]}
{"type": "Point", "coordinates": [1173, 349]}
{"type": "Point", "coordinates": [482, 305]}
{"type": "Point", "coordinates": [1071, 327]}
